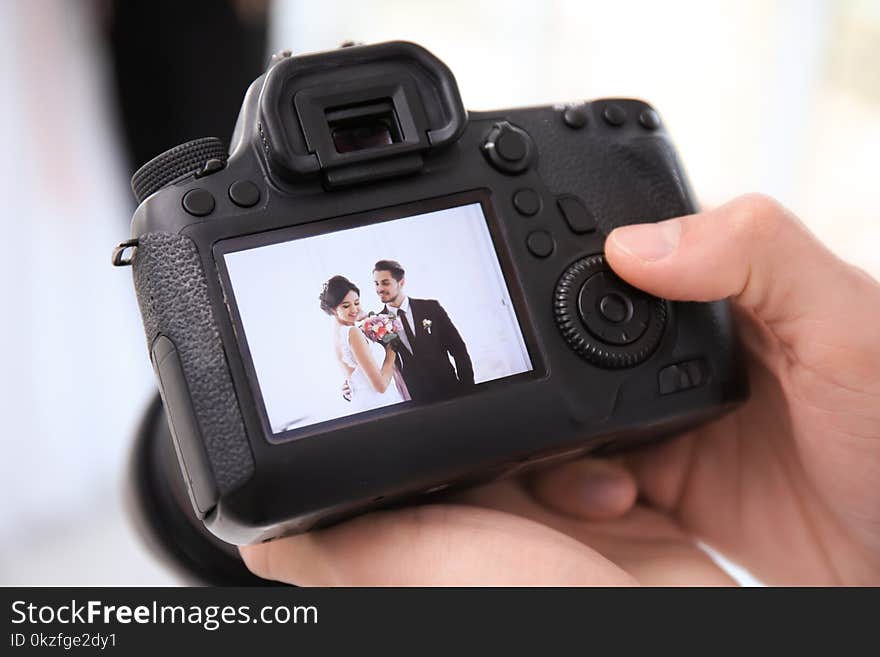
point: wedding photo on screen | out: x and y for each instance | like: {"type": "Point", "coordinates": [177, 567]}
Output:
{"type": "Point", "coordinates": [410, 310]}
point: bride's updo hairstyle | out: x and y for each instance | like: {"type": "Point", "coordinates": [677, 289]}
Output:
{"type": "Point", "coordinates": [334, 292]}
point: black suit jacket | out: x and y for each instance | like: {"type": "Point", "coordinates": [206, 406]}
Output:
{"type": "Point", "coordinates": [427, 371]}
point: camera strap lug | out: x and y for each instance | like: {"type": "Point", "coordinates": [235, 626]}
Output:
{"type": "Point", "coordinates": [119, 258]}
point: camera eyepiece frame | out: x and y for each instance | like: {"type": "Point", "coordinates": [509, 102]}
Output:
{"type": "Point", "coordinates": [397, 83]}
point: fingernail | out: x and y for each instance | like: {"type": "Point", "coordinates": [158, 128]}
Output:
{"type": "Point", "coordinates": [648, 241]}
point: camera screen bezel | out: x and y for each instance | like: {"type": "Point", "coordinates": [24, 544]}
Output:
{"type": "Point", "coordinates": [481, 196]}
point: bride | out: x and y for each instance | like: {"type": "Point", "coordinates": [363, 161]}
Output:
{"type": "Point", "coordinates": [369, 367]}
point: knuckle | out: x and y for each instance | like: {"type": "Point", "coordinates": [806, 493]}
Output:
{"type": "Point", "coordinates": [757, 217]}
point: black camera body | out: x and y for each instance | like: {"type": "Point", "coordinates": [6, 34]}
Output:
{"type": "Point", "coordinates": [334, 143]}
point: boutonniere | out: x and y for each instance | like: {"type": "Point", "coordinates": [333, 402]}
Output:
{"type": "Point", "coordinates": [426, 324]}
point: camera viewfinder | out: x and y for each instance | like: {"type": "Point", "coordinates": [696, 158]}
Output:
{"type": "Point", "coordinates": [362, 126]}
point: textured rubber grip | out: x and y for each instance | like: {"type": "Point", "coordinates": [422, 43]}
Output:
{"type": "Point", "coordinates": [174, 163]}
{"type": "Point", "coordinates": [173, 295]}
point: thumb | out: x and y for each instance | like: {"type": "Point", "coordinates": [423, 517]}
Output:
{"type": "Point", "coordinates": [753, 250]}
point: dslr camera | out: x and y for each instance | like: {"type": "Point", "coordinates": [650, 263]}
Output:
{"type": "Point", "coordinates": [374, 295]}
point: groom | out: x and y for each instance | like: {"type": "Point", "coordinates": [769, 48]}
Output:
{"type": "Point", "coordinates": [429, 339]}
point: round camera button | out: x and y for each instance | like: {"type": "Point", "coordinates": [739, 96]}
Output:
{"type": "Point", "coordinates": [527, 202]}
{"type": "Point", "coordinates": [511, 146]}
{"type": "Point", "coordinates": [575, 117]}
{"type": "Point", "coordinates": [614, 114]}
{"type": "Point", "coordinates": [615, 308]}
{"type": "Point", "coordinates": [198, 202]}
{"type": "Point", "coordinates": [244, 193]}
{"type": "Point", "coordinates": [540, 243]}
{"type": "Point", "coordinates": [508, 148]}
{"type": "Point", "coordinates": [649, 119]}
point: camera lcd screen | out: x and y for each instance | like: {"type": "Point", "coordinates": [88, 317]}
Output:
{"type": "Point", "coordinates": [401, 311]}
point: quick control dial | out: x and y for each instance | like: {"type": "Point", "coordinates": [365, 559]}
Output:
{"type": "Point", "coordinates": [603, 318]}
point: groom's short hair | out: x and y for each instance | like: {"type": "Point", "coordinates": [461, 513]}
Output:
{"type": "Point", "coordinates": [390, 265]}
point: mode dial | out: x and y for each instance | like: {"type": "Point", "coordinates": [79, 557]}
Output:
{"type": "Point", "coordinates": [200, 155]}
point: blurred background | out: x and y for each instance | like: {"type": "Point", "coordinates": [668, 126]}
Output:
{"type": "Point", "coordinates": [780, 97]}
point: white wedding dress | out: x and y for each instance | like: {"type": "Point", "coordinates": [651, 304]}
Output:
{"type": "Point", "coordinates": [363, 396]}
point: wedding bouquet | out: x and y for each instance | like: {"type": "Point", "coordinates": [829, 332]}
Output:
{"type": "Point", "coordinates": [384, 329]}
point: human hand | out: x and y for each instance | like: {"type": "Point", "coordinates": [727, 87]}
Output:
{"type": "Point", "coordinates": [395, 345]}
{"type": "Point", "coordinates": [521, 532]}
{"type": "Point", "coordinates": [785, 486]}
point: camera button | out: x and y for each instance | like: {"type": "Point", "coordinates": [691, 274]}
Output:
{"type": "Point", "coordinates": [540, 243]}
{"type": "Point", "coordinates": [511, 146]}
{"type": "Point", "coordinates": [682, 376]}
{"type": "Point", "coordinates": [614, 114]}
{"type": "Point", "coordinates": [575, 118]}
{"type": "Point", "coordinates": [649, 119]}
{"type": "Point", "coordinates": [244, 193]}
{"type": "Point", "coordinates": [576, 214]}
{"type": "Point", "coordinates": [527, 202]}
{"type": "Point", "coordinates": [198, 202]}
{"type": "Point", "coordinates": [508, 148]}
{"type": "Point", "coordinates": [615, 308]}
